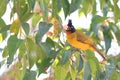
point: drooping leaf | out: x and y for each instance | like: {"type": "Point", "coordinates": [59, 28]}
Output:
{"type": "Point", "coordinates": [43, 28]}
{"type": "Point", "coordinates": [23, 10]}
{"type": "Point", "coordinates": [87, 71]}
{"type": "Point", "coordinates": [115, 30]}
{"type": "Point", "coordinates": [75, 4]}
{"type": "Point", "coordinates": [31, 4]}
{"type": "Point", "coordinates": [5, 52]}
{"type": "Point", "coordinates": [68, 77]}
{"type": "Point", "coordinates": [66, 7]}
{"type": "Point", "coordinates": [3, 29]}
{"type": "Point", "coordinates": [95, 25]}
{"type": "Point", "coordinates": [2, 23]}
{"type": "Point", "coordinates": [49, 48]}
{"type": "Point", "coordinates": [65, 57]}
{"type": "Point", "coordinates": [73, 73]}
{"type": "Point", "coordinates": [26, 16]}
{"type": "Point", "coordinates": [40, 52]}
{"type": "Point", "coordinates": [44, 8]}
{"type": "Point", "coordinates": [26, 28]}
{"type": "Point", "coordinates": [13, 44]}
{"type": "Point", "coordinates": [60, 72]}
{"type": "Point", "coordinates": [115, 76]}
{"type": "Point", "coordinates": [30, 75]}
{"type": "Point", "coordinates": [117, 34]}
{"type": "Point", "coordinates": [94, 11]}
{"type": "Point", "coordinates": [116, 10]}
{"type": "Point", "coordinates": [54, 8]}
{"type": "Point", "coordinates": [15, 26]}
{"type": "Point", "coordinates": [31, 46]}
{"type": "Point", "coordinates": [93, 62]}
{"type": "Point", "coordinates": [107, 38]}
{"type": "Point", "coordinates": [81, 63]}
{"type": "Point", "coordinates": [43, 64]}
{"type": "Point", "coordinates": [3, 5]}
{"type": "Point", "coordinates": [102, 3]}
{"type": "Point", "coordinates": [35, 19]}
{"type": "Point", "coordinates": [89, 7]}
{"type": "Point", "coordinates": [22, 50]}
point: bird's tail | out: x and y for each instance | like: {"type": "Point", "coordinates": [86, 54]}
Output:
{"type": "Point", "coordinates": [100, 53]}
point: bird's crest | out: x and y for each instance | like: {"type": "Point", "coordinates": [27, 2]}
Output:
{"type": "Point", "coordinates": [70, 27]}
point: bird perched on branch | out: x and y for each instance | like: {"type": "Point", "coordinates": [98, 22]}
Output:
{"type": "Point", "coordinates": [79, 40]}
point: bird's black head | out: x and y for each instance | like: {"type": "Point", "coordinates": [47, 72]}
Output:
{"type": "Point", "coordinates": [70, 28]}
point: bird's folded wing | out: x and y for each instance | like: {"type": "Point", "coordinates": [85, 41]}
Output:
{"type": "Point", "coordinates": [84, 38]}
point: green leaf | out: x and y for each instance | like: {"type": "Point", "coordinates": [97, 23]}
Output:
{"type": "Point", "coordinates": [49, 48]}
{"type": "Point", "coordinates": [15, 26]}
{"type": "Point", "coordinates": [23, 10]}
{"type": "Point", "coordinates": [2, 23]}
{"type": "Point", "coordinates": [81, 63]}
{"type": "Point", "coordinates": [35, 19]}
{"type": "Point", "coordinates": [87, 71]}
{"type": "Point", "coordinates": [3, 5]}
{"type": "Point", "coordinates": [5, 52]}
{"type": "Point", "coordinates": [89, 7]}
{"type": "Point", "coordinates": [40, 52]}
{"type": "Point", "coordinates": [3, 28]}
{"type": "Point", "coordinates": [66, 7]}
{"type": "Point", "coordinates": [30, 75]}
{"type": "Point", "coordinates": [73, 73]}
{"type": "Point", "coordinates": [2, 63]}
{"type": "Point", "coordinates": [43, 28]}
{"type": "Point", "coordinates": [102, 3]}
{"type": "Point", "coordinates": [60, 72]}
{"type": "Point", "coordinates": [95, 25]}
{"type": "Point", "coordinates": [22, 51]}
{"type": "Point", "coordinates": [43, 64]}
{"type": "Point", "coordinates": [75, 4]}
{"type": "Point", "coordinates": [68, 77]}
{"type": "Point", "coordinates": [116, 31]}
{"type": "Point", "coordinates": [56, 7]}
{"type": "Point", "coordinates": [44, 8]}
{"type": "Point", "coordinates": [115, 76]}
{"type": "Point", "coordinates": [31, 4]}
{"type": "Point", "coordinates": [13, 44]}
{"type": "Point", "coordinates": [116, 11]}
{"type": "Point", "coordinates": [65, 57]}
{"type": "Point", "coordinates": [117, 34]}
{"type": "Point", "coordinates": [107, 37]}
{"type": "Point", "coordinates": [93, 62]}
{"type": "Point", "coordinates": [31, 49]}
{"type": "Point", "coordinates": [26, 16]}
{"type": "Point", "coordinates": [26, 28]}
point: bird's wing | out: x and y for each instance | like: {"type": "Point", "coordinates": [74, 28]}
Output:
{"type": "Point", "coordinates": [84, 38]}
{"type": "Point", "coordinates": [81, 37]}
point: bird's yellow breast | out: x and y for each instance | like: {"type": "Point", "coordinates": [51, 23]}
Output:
{"type": "Point", "coordinates": [72, 40]}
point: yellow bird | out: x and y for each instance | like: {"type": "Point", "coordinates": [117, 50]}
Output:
{"type": "Point", "coordinates": [79, 40]}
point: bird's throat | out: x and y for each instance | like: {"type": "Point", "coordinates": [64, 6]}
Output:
{"type": "Point", "coordinates": [68, 32]}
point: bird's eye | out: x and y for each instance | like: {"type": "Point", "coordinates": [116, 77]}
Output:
{"type": "Point", "coordinates": [68, 28]}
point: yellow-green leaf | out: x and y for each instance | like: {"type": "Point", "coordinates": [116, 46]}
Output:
{"type": "Point", "coordinates": [15, 26]}
{"type": "Point", "coordinates": [60, 72]}
{"type": "Point", "coordinates": [3, 5]}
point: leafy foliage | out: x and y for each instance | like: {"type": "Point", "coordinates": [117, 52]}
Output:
{"type": "Point", "coordinates": [44, 47]}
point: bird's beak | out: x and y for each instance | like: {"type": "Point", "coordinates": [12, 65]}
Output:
{"type": "Point", "coordinates": [65, 27]}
